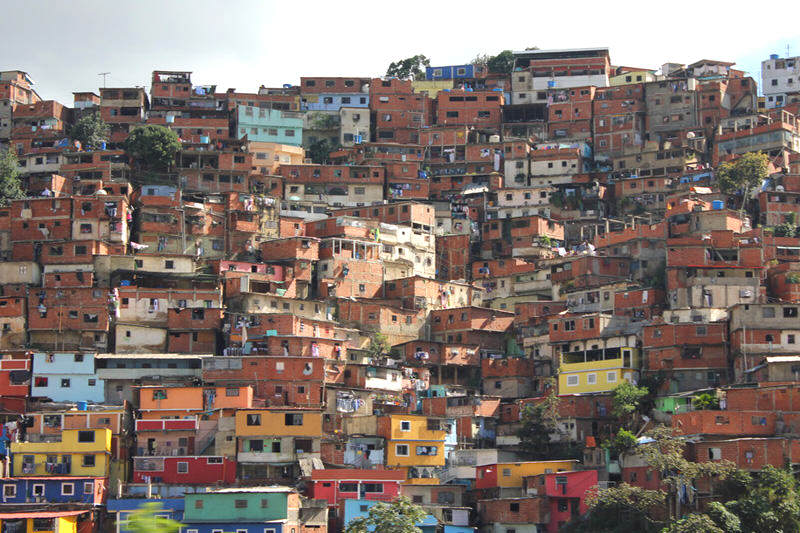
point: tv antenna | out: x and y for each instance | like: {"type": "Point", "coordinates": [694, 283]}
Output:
{"type": "Point", "coordinates": [104, 74]}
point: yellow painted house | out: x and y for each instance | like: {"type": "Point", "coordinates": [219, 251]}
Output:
{"type": "Point", "coordinates": [278, 422]}
{"type": "Point", "coordinates": [412, 440]}
{"type": "Point", "coordinates": [510, 475]}
{"type": "Point", "coordinates": [41, 521]}
{"type": "Point", "coordinates": [587, 372]}
{"type": "Point", "coordinates": [632, 76]}
{"type": "Point", "coordinates": [78, 453]}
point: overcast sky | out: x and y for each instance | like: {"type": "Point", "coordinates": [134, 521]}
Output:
{"type": "Point", "coordinates": [63, 45]}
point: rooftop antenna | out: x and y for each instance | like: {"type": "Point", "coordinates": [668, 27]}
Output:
{"type": "Point", "coordinates": [104, 74]}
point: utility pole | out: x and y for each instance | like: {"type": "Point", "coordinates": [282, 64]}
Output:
{"type": "Point", "coordinates": [104, 74]}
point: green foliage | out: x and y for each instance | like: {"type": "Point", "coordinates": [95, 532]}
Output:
{"type": "Point", "coordinates": [787, 229]}
{"type": "Point", "coordinates": [743, 174]}
{"type": "Point", "coordinates": [627, 399]}
{"type": "Point", "coordinates": [90, 130]}
{"type": "Point", "coordinates": [10, 182]}
{"type": "Point", "coordinates": [145, 520]}
{"type": "Point", "coordinates": [623, 441]}
{"type": "Point", "coordinates": [378, 345]}
{"type": "Point", "coordinates": [153, 146]}
{"type": "Point", "coordinates": [705, 402]}
{"type": "Point", "coordinates": [319, 151]}
{"type": "Point", "coordinates": [400, 516]}
{"type": "Point", "coordinates": [723, 518]}
{"type": "Point", "coordinates": [771, 504]}
{"type": "Point", "coordinates": [793, 278]}
{"type": "Point", "coordinates": [324, 121]}
{"type": "Point", "coordinates": [411, 67]}
{"type": "Point", "coordinates": [621, 509]}
{"type": "Point", "coordinates": [539, 423]}
{"type": "Point", "coordinates": [665, 454]}
{"type": "Point", "coordinates": [502, 63]}
{"type": "Point", "coordinates": [694, 523]}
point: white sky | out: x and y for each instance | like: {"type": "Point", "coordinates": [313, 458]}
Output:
{"type": "Point", "coordinates": [64, 44]}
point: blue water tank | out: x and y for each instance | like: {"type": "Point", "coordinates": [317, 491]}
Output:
{"type": "Point", "coordinates": [205, 139]}
{"type": "Point", "coordinates": [103, 145]}
{"type": "Point", "coordinates": [551, 84]}
{"type": "Point", "coordinates": [773, 56]}
{"type": "Point", "coordinates": [716, 205]}
{"type": "Point", "coordinates": [83, 406]}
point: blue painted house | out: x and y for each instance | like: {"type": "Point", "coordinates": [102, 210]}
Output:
{"type": "Point", "coordinates": [66, 377]}
{"type": "Point", "coordinates": [19, 490]}
{"type": "Point", "coordinates": [451, 72]}
{"type": "Point", "coordinates": [120, 508]}
{"type": "Point", "coordinates": [333, 101]}
{"type": "Point", "coordinates": [357, 508]}
{"type": "Point", "coordinates": [273, 509]}
{"type": "Point", "coordinates": [269, 125]}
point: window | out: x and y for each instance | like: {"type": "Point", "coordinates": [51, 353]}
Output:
{"type": "Point", "coordinates": [591, 379]}
{"type": "Point", "coordinates": [86, 436]}
{"type": "Point", "coordinates": [231, 392]}
{"type": "Point", "coordinates": [183, 467]}
{"type": "Point", "coordinates": [240, 504]}
{"type": "Point", "coordinates": [198, 504]}
{"type": "Point", "coordinates": [506, 472]}
{"type": "Point", "coordinates": [611, 377]}
{"type": "Point", "coordinates": [293, 419]}
{"type": "Point", "coordinates": [573, 381]}
{"type": "Point", "coordinates": [67, 489]}
{"type": "Point", "coordinates": [253, 420]}
{"type": "Point", "coordinates": [65, 383]}
{"type": "Point", "coordinates": [373, 487]}
{"type": "Point", "coordinates": [789, 312]}
{"type": "Point", "coordinates": [401, 450]}
{"type": "Point", "coordinates": [38, 489]}
{"type": "Point", "coordinates": [9, 491]}
{"type": "Point", "coordinates": [346, 486]}
{"type": "Point", "coordinates": [169, 264]}
{"type": "Point", "coordinates": [513, 507]}
{"type": "Point", "coordinates": [426, 450]}
{"type": "Point", "coordinates": [715, 454]}
{"type": "Point", "coordinates": [768, 312]}
{"type": "Point", "coordinates": [790, 339]}
{"type": "Point", "coordinates": [88, 461]}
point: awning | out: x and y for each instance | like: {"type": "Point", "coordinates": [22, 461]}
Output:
{"type": "Point", "coordinates": [40, 514]}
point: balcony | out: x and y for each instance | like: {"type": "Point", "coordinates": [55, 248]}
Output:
{"type": "Point", "coordinates": [600, 359]}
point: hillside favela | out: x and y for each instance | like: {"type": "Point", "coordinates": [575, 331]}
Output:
{"type": "Point", "coordinates": [536, 291]}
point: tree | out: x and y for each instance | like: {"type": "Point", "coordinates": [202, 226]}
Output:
{"type": "Point", "coordinates": [743, 174]}
{"type": "Point", "coordinates": [319, 151]}
{"type": "Point", "coordinates": [400, 516]}
{"type": "Point", "coordinates": [705, 402]}
{"type": "Point", "coordinates": [627, 399]}
{"type": "Point", "coordinates": [411, 67]}
{"type": "Point", "coordinates": [694, 523]}
{"type": "Point", "coordinates": [10, 183]}
{"type": "Point", "coordinates": [502, 63]}
{"type": "Point", "coordinates": [621, 509]}
{"type": "Point", "coordinates": [771, 503]}
{"type": "Point", "coordinates": [153, 146]}
{"type": "Point", "coordinates": [723, 518]}
{"type": "Point", "coordinates": [146, 520]}
{"type": "Point", "coordinates": [623, 442]}
{"type": "Point", "coordinates": [90, 130]}
{"type": "Point", "coordinates": [378, 345]}
{"type": "Point", "coordinates": [539, 424]}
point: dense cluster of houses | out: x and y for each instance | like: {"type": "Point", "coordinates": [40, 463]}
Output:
{"type": "Point", "coordinates": [264, 344]}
